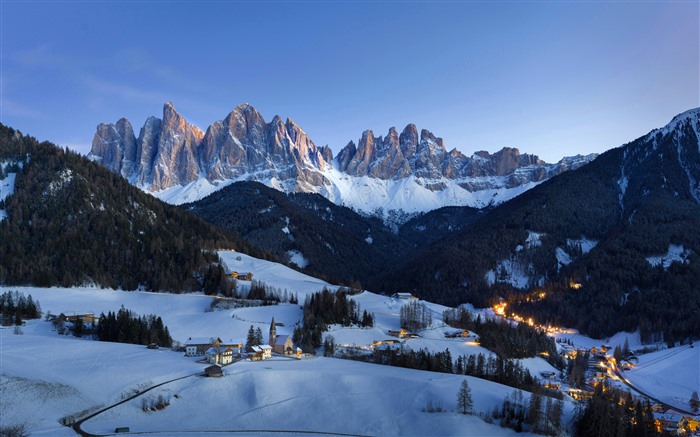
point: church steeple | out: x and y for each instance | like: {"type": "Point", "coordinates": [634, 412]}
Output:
{"type": "Point", "coordinates": [273, 332]}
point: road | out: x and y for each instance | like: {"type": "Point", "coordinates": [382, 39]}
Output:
{"type": "Point", "coordinates": [652, 398]}
{"type": "Point", "coordinates": [77, 426]}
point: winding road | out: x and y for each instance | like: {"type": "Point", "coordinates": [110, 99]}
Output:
{"type": "Point", "coordinates": [77, 426]}
{"type": "Point", "coordinates": [652, 398]}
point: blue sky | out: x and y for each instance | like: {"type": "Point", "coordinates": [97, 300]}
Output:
{"type": "Point", "coordinates": [551, 78]}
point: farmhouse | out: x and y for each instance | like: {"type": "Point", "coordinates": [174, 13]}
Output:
{"type": "Point", "coordinates": [263, 352]}
{"type": "Point", "coordinates": [220, 355]}
{"type": "Point", "coordinates": [199, 346]}
{"type": "Point", "coordinates": [243, 276]}
{"type": "Point", "coordinates": [400, 334]}
{"type": "Point", "coordinates": [408, 296]}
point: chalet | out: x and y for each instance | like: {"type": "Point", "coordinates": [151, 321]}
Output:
{"type": "Point", "coordinates": [407, 296]}
{"type": "Point", "coordinates": [220, 355]}
{"type": "Point", "coordinates": [400, 334]}
{"type": "Point", "coordinates": [281, 344]}
{"type": "Point", "coordinates": [580, 395]}
{"type": "Point", "coordinates": [199, 346]}
{"type": "Point", "coordinates": [262, 352]}
{"type": "Point", "coordinates": [257, 353]}
{"type": "Point", "coordinates": [214, 371]}
{"type": "Point", "coordinates": [86, 318]}
{"type": "Point", "coordinates": [457, 334]}
{"type": "Point", "coordinates": [551, 385]}
{"type": "Point", "coordinates": [688, 424]}
{"type": "Point", "coordinates": [242, 276]}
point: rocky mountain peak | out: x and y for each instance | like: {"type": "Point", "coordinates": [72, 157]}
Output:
{"type": "Point", "coordinates": [172, 153]}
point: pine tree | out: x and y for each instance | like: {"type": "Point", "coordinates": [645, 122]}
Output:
{"type": "Point", "coordinates": [464, 398]}
{"type": "Point", "coordinates": [258, 336]}
{"type": "Point", "coordinates": [250, 340]}
{"type": "Point", "coordinates": [694, 402]}
{"type": "Point", "coordinates": [534, 411]}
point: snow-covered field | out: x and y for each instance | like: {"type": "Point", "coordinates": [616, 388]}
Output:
{"type": "Point", "coordinates": [671, 375]}
{"type": "Point", "coordinates": [45, 376]}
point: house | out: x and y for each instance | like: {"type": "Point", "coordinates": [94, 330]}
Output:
{"type": "Point", "coordinates": [214, 371]}
{"type": "Point", "coordinates": [400, 334]}
{"type": "Point", "coordinates": [87, 318]}
{"type": "Point", "coordinates": [408, 296]}
{"type": "Point", "coordinates": [242, 276]}
{"type": "Point", "coordinates": [456, 334]}
{"type": "Point", "coordinates": [551, 385]}
{"type": "Point", "coordinates": [220, 355]}
{"type": "Point", "coordinates": [262, 352]}
{"type": "Point", "coordinates": [281, 344]}
{"type": "Point", "coordinates": [547, 374]}
{"type": "Point", "coordinates": [198, 346]}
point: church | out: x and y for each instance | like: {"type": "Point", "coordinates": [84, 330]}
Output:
{"type": "Point", "coordinates": [281, 344]}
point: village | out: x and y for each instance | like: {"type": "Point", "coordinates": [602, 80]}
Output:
{"type": "Point", "coordinates": [604, 367]}
{"type": "Point", "coordinates": [230, 349]}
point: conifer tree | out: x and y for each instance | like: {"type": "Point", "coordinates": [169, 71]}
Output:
{"type": "Point", "coordinates": [464, 398]}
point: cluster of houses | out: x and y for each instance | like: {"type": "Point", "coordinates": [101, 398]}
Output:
{"type": "Point", "coordinates": [242, 276]}
{"type": "Point", "coordinates": [219, 353]}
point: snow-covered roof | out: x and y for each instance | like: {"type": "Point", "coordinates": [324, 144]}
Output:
{"type": "Point", "coordinates": [256, 348]}
{"type": "Point", "coordinates": [212, 351]}
{"type": "Point", "coordinates": [199, 341]}
{"type": "Point", "coordinates": [281, 339]}
{"type": "Point", "coordinates": [265, 347]}
{"type": "Point", "coordinates": [233, 342]}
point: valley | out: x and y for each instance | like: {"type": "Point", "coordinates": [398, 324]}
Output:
{"type": "Point", "coordinates": [263, 397]}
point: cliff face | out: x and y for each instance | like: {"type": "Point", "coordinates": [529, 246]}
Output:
{"type": "Point", "coordinates": [171, 153]}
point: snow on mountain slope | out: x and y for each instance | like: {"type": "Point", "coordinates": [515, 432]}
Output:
{"type": "Point", "coordinates": [393, 176]}
{"type": "Point", "coordinates": [412, 194]}
{"type": "Point", "coordinates": [7, 186]}
{"type": "Point", "coordinates": [670, 374]}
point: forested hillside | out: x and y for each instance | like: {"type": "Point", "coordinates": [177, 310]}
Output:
{"type": "Point", "coordinates": [70, 221]}
{"type": "Point", "coordinates": [328, 241]}
{"type": "Point", "coordinates": [611, 246]}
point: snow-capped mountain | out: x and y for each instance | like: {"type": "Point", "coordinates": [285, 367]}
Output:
{"type": "Point", "coordinates": [406, 173]}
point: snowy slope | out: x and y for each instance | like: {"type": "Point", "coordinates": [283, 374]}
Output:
{"type": "Point", "coordinates": [71, 375]}
{"type": "Point", "coordinates": [670, 375]}
{"type": "Point", "coordinates": [372, 196]}
{"type": "Point", "coordinates": [7, 187]}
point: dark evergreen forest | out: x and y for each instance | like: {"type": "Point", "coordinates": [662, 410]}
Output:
{"type": "Point", "coordinates": [72, 222]}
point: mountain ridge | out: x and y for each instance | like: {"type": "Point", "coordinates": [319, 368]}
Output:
{"type": "Point", "coordinates": [613, 246]}
{"type": "Point", "coordinates": [179, 163]}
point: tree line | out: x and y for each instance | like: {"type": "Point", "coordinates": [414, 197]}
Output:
{"type": "Point", "coordinates": [15, 307]}
{"type": "Point", "coordinates": [325, 308]}
{"type": "Point", "coordinates": [127, 327]}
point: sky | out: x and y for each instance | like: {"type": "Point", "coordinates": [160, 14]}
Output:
{"type": "Point", "coordinates": [552, 78]}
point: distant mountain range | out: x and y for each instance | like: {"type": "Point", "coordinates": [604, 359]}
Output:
{"type": "Point", "coordinates": [613, 245]}
{"type": "Point", "coordinates": [392, 177]}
